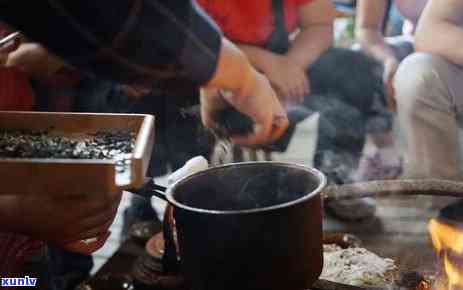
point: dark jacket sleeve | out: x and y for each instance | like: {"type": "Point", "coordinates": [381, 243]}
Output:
{"type": "Point", "coordinates": [141, 41]}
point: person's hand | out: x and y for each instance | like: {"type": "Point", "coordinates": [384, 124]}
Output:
{"type": "Point", "coordinates": [65, 220]}
{"type": "Point", "coordinates": [390, 68]}
{"type": "Point", "coordinates": [258, 101]}
{"type": "Point", "coordinates": [35, 60]}
{"type": "Point", "coordinates": [288, 78]}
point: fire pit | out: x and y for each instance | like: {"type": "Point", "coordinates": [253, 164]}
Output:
{"type": "Point", "coordinates": [147, 271]}
{"type": "Point", "coordinates": [447, 237]}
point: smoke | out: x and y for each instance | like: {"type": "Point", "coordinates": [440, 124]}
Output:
{"type": "Point", "coordinates": [244, 187]}
{"type": "Point", "coordinates": [348, 92]}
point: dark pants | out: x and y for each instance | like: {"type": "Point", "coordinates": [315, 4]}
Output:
{"type": "Point", "coordinates": [347, 91]}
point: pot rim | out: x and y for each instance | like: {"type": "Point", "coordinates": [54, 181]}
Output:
{"type": "Point", "coordinates": [315, 172]}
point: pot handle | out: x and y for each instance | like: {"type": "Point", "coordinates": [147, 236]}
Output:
{"type": "Point", "coordinates": [170, 258]}
{"type": "Point", "coordinates": [438, 187]}
{"type": "Point", "coordinates": [150, 189]}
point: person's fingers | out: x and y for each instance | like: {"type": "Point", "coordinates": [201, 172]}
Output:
{"type": "Point", "coordinates": [296, 90]}
{"type": "Point", "coordinates": [82, 233]}
{"type": "Point", "coordinates": [280, 120]}
{"type": "Point", "coordinates": [98, 230]}
{"type": "Point", "coordinates": [102, 219]}
{"type": "Point", "coordinates": [262, 117]}
{"type": "Point", "coordinates": [290, 91]}
{"type": "Point", "coordinates": [283, 90]}
{"type": "Point", "coordinates": [89, 204]}
{"type": "Point", "coordinates": [278, 126]}
{"type": "Point", "coordinates": [211, 102]}
{"type": "Point", "coordinates": [93, 222]}
{"type": "Point", "coordinates": [260, 135]}
{"type": "Point", "coordinates": [87, 247]}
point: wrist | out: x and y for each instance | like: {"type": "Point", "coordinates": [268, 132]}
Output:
{"type": "Point", "coordinates": [294, 61]}
{"type": "Point", "coordinates": [248, 82]}
{"type": "Point", "coordinates": [271, 62]}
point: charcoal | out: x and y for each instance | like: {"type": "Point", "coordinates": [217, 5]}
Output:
{"type": "Point", "coordinates": [231, 122]}
{"type": "Point", "coordinates": [45, 144]}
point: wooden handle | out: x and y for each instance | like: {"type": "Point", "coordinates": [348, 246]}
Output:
{"type": "Point", "coordinates": [437, 187]}
{"type": "Point", "coordinates": [321, 284]}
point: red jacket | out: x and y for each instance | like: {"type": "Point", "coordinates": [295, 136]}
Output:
{"type": "Point", "coordinates": [250, 21]}
{"type": "Point", "coordinates": [15, 90]}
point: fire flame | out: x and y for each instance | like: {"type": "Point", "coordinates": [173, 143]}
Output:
{"type": "Point", "coordinates": [448, 243]}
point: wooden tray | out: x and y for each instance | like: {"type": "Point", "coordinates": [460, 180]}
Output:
{"type": "Point", "coordinates": [73, 176]}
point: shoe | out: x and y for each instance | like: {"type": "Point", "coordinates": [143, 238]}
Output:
{"type": "Point", "coordinates": [338, 169]}
{"type": "Point", "coordinates": [374, 167]}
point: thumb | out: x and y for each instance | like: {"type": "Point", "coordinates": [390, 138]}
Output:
{"type": "Point", "coordinates": [88, 246]}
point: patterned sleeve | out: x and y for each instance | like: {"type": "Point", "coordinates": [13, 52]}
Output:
{"type": "Point", "coordinates": [137, 41]}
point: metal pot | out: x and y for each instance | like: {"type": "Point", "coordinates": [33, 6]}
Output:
{"type": "Point", "coordinates": [255, 225]}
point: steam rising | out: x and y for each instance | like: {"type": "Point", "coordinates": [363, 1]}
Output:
{"type": "Point", "coordinates": [246, 187]}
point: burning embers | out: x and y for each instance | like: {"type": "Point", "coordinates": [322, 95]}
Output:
{"type": "Point", "coordinates": [447, 237]}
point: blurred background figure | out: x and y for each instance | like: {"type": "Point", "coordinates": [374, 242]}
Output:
{"type": "Point", "coordinates": [374, 20]}
{"type": "Point", "coordinates": [428, 87]}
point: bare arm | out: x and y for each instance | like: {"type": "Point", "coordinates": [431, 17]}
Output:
{"type": "Point", "coordinates": [315, 21]}
{"type": "Point", "coordinates": [316, 35]}
{"type": "Point", "coordinates": [369, 34]}
{"type": "Point", "coordinates": [259, 57]}
{"type": "Point", "coordinates": [440, 29]}
{"type": "Point", "coordinates": [287, 73]}
{"type": "Point", "coordinates": [368, 29]}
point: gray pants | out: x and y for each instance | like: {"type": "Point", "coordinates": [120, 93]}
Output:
{"type": "Point", "coordinates": [429, 92]}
